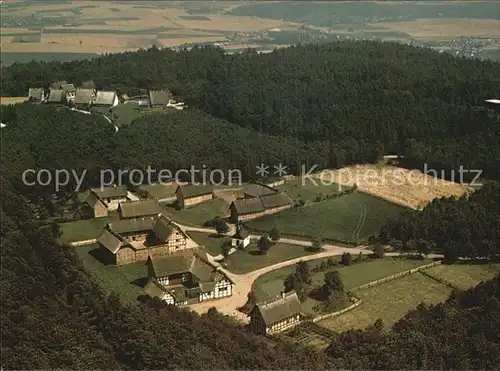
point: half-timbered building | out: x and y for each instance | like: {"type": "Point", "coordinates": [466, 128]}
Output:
{"type": "Point", "coordinates": [190, 195]}
{"type": "Point", "coordinates": [276, 316]}
{"type": "Point", "coordinates": [256, 207]}
{"type": "Point", "coordinates": [139, 209]}
{"type": "Point", "coordinates": [130, 240]}
{"type": "Point", "coordinates": [186, 277]}
{"type": "Point", "coordinates": [110, 197]}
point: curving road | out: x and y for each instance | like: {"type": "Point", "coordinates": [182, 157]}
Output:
{"type": "Point", "coordinates": [243, 282]}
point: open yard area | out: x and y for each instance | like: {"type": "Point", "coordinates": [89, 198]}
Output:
{"type": "Point", "coordinates": [127, 281]}
{"type": "Point", "coordinates": [389, 301]}
{"type": "Point", "coordinates": [250, 259]}
{"type": "Point", "coordinates": [81, 230]}
{"type": "Point", "coordinates": [404, 187]}
{"type": "Point", "coordinates": [198, 214]}
{"type": "Point", "coordinates": [347, 218]}
{"type": "Point", "coordinates": [212, 243]}
{"type": "Point", "coordinates": [464, 276]}
{"type": "Point", "coordinates": [269, 285]}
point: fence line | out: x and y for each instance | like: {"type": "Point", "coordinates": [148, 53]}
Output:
{"type": "Point", "coordinates": [397, 275]}
{"type": "Point", "coordinates": [339, 312]}
{"type": "Point", "coordinates": [83, 243]}
{"type": "Point", "coordinates": [440, 280]}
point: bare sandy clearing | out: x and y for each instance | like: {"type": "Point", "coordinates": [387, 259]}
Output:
{"type": "Point", "coordinates": [401, 186]}
{"type": "Point", "coordinates": [446, 28]}
{"type": "Point", "coordinates": [12, 100]}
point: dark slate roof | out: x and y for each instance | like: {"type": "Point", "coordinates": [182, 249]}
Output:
{"type": "Point", "coordinates": [58, 84]}
{"type": "Point", "coordinates": [56, 96]}
{"type": "Point", "coordinates": [257, 190]}
{"type": "Point", "coordinates": [163, 228]}
{"type": "Point", "coordinates": [154, 289]}
{"type": "Point", "coordinates": [110, 192]}
{"type": "Point", "coordinates": [190, 260]}
{"type": "Point", "coordinates": [35, 93]}
{"type": "Point", "coordinates": [277, 200]}
{"type": "Point", "coordinates": [93, 199]}
{"type": "Point", "coordinates": [279, 309]}
{"type": "Point", "coordinates": [83, 96]}
{"type": "Point", "coordinates": [70, 88]}
{"type": "Point", "coordinates": [248, 206]}
{"type": "Point", "coordinates": [89, 84]}
{"type": "Point", "coordinates": [172, 264]}
{"type": "Point", "coordinates": [105, 98]}
{"type": "Point", "coordinates": [132, 225]}
{"type": "Point", "coordinates": [195, 191]}
{"type": "Point", "coordinates": [137, 209]}
{"type": "Point", "coordinates": [241, 232]}
{"type": "Point", "coordinates": [110, 240]}
{"type": "Point", "coordinates": [159, 97]}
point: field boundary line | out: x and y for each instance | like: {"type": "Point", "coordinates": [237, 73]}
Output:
{"type": "Point", "coordinates": [397, 275]}
{"type": "Point", "coordinates": [83, 242]}
{"type": "Point", "coordinates": [339, 312]}
{"type": "Point", "coordinates": [440, 280]}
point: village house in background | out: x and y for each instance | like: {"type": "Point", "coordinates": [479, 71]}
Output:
{"type": "Point", "coordinates": [241, 238]}
{"type": "Point", "coordinates": [106, 99]}
{"type": "Point", "coordinates": [36, 95]}
{"type": "Point", "coordinates": [130, 240]}
{"type": "Point", "coordinates": [84, 98]}
{"type": "Point", "coordinates": [56, 96]}
{"type": "Point", "coordinates": [276, 316]}
{"type": "Point", "coordinates": [186, 278]}
{"type": "Point", "coordinates": [190, 195]}
{"type": "Point", "coordinates": [100, 200]}
{"type": "Point", "coordinates": [159, 98]}
{"type": "Point", "coordinates": [255, 190]}
{"type": "Point", "coordinates": [252, 208]}
{"type": "Point", "coordinates": [69, 92]}
{"type": "Point", "coordinates": [139, 209]}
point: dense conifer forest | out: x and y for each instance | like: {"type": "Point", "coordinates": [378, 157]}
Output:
{"type": "Point", "coordinates": [333, 104]}
{"type": "Point", "coordinates": [356, 100]}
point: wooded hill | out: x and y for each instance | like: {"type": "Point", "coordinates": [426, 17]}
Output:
{"type": "Point", "coordinates": [337, 103]}
{"type": "Point", "coordinates": [356, 100]}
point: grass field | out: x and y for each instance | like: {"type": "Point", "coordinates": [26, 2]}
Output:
{"type": "Point", "coordinates": [126, 281]}
{"type": "Point", "coordinates": [270, 284]}
{"type": "Point", "coordinates": [390, 302]}
{"type": "Point", "coordinates": [211, 243]}
{"type": "Point", "coordinates": [250, 259]}
{"type": "Point", "coordinates": [198, 214]}
{"type": "Point", "coordinates": [464, 276]}
{"type": "Point", "coordinates": [309, 190]}
{"type": "Point", "coordinates": [82, 229]}
{"type": "Point", "coordinates": [347, 218]}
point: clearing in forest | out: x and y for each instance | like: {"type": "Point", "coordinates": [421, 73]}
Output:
{"type": "Point", "coordinates": [410, 188]}
{"type": "Point", "coordinates": [390, 302]}
{"type": "Point", "coordinates": [464, 276]}
{"type": "Point", "coordinates": [346, 218]}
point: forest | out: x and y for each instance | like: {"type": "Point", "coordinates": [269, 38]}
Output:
{"type": "Point", "coordinates": [333, 105]}
{"type": "Point", "coordinates": [355, 100]}
{"type": "Point", "coordinates": [468, 227]}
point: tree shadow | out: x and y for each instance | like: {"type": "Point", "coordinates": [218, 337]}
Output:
{"type": "Point", "coordinates": [101, 255]}
{"type": "Point", "coordinates": [215, 235]}
{"type": "Point", "coordinates": [256, 252]}
{"type": "Point", "coordinates": [141, 282]}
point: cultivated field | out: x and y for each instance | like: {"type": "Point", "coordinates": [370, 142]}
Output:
{"type": "Point", "coordinates": [404, 187]}
{"type": "Point", "coordinates": [347, 218]}
{"type": "Point", "coordinates": [464, 276]}
{"type": "Point", "coordinates": [445, 29]}
{"type": "Point", "coordinates": [108, 26]}
{"type": "Point", "coordinates": [390, 302]}
{"type": "Point", "coordinates": [12, 100]}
